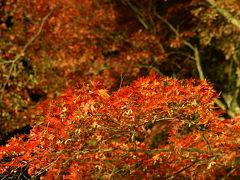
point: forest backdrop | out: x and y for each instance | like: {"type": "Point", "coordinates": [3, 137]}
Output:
{"type": "Point", "coordinates": [50, 46]}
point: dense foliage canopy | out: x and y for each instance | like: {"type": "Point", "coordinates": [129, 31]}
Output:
{"type": "Point", "coordinates": [154, 128]}
{"type": "Point", "coordinates": [111, 122]}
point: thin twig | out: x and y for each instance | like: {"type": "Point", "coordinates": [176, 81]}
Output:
{"type": "Point", "coordinates": [112, 173]}
{"type": "Point", "coordinates": [48, 166]}
{"type": "Point", "coordinates": [122, 77]}
{"type": "Point", "coordinates": [229, 173]}
{"type": "Point", "coordinates": [171, 176]}
{"type": "Point", "coordinates": [207, 141]}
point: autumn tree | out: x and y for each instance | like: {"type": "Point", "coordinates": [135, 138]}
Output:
{"type": "Point", "coordinates": [90, 133]}
{"type": "Point", "coordinates": [42, 41]}
{"type": "Point", "coordinates": [156, 125]}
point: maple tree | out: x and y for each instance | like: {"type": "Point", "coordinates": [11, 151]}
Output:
{"type": "Point", "coordinates": [47, 46]}
{"type": "Point", "coordinates": [89, 133]}
{"type": "Point", "coordinates": [67, 40]}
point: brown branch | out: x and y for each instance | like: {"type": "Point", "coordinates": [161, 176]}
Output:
{"type": "Point", "coordinates": [229, 173]}
{"type": "Point", "coordinates": [156, 120]}
{"type": "Point", "coordinates": [48, 166]}
{"type": "Point", "coordinates": [193, 150]}
{"type": "Point", "coordinates": [207, 141]}
{"type": "Point", "coordinates": [171, 176]}
{"type": "Point", "coordinates": [198, 63]}
{"type": "Point", "coordinates": [109, 118]}
{"type": "Point", "coordinates": [139, 14]}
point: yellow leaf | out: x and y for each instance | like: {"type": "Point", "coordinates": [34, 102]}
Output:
{"type": "Point", "coordinates": [103, 93]}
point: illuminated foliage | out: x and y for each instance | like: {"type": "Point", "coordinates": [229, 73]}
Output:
{"type": "Point", "coordinates": [89, 133]}
{"type": "Point", "coordinates": [155, 127]}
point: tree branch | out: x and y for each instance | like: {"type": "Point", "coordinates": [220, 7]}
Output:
{"type": "Point", "coordinates": [187, 167]}
{"type": "Point", "coordinates": [207, 141]}
{"type": "Point", "coordinates": [225, 13]}
{"type": "Point", "coordinates": [196, 56]}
